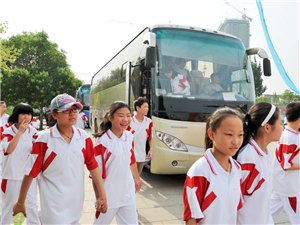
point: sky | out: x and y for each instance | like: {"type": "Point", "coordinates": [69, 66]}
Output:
{"type": "Point", "coordinates": [93, 31]}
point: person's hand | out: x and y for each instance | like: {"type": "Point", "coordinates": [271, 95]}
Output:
{"type": "Point", "coordinates": [23, 126]}
{"type": "Point", "coordinates": [19, 208]}
{"type": "Point", "coordinates": [101, 203]}
{"type": "Point", "coordinates": [150, 154]}
{"type": "Point", "coordinates": [138, 184]}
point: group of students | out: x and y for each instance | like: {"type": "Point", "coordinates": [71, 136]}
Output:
{"type": "Point", "coordinates": [56, 158]}
{"type": "Point", "coordinates": [236, 181]}
{"type": "Point", "coordinates": [233, 183]}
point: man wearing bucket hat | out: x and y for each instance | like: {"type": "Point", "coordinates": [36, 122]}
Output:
{"type": "Point", "coordinates": [59, 154]}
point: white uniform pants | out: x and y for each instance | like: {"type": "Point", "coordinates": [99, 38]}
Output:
{"type": "Point", "coordinates": [10, 197]}
{"type": "Point", "coordinates": [291, 206]}
{"type": "Point", "coordinates": [124, 215]}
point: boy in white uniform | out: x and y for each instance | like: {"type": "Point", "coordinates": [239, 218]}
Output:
{"type": "Point", "coordinates": [59, 155]}
{"type": "Point", "coordinates": [115, 155]}
{"type": "Point", "coordinates": [286, 177]}
{"type": "Point", "coordinates": [17, 144]}
{"type": "Point", "coordinates": [141, 128]}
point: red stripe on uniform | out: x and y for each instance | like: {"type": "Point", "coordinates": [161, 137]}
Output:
{"type": "Point", "coordinates": [1, 131]}
{"type": "Point", "coordinates": [88, 154]}
{"type": "Point", "coordinates": [293, 203]}
{"type": "Point", "coordinates": [99, 151]}
{"type": "Point", "coordinates": [240, 205]}
{"type": "Point", "coordinates": [209, 163]}
{"type": "Point", "coordinates": [208, 200]}
{"type": "Point", "coordinates": [202, 185]}
{"type": "Point", "coordinates": [248, 182]}
{"type": "Point", "coordinates": [132, 158]}
{"type": "Point", "coordinates": [286, 149]}
{"type": "Point", "coordinates": [8, 136]}
{"type": "Point", "coordinates": [48, 161]}
{"type": "Point", "coordinates": [39, 148]}
{"type": "Point", "coordinates": [149, 131]}
{"type": "Point", "coordinates": [3, 185]}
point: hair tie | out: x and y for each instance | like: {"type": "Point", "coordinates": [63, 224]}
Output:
{"type": "Point", "coordinates": [270, 114]}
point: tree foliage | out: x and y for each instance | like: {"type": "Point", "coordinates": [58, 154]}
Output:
{"type": "Point", "coordinates": [258, 81]}
{"type": "Point", "coordinates": [288, 96]}
{"type": "Point", "coordinates": [7, 54]}
{"type": "Point", "coordinates": [280, 99]}
{"type": "Point", "coordinates": [39, 72]}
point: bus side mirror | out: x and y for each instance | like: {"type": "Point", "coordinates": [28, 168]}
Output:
{"type": "Point", "coordinates": [267, 67]}
{"type": "Point", "coordinates": [150, 59]}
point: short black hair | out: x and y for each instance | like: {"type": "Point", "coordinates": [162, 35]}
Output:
{"type": "Point", "coordinates": [21, 108]}
{"type": "Point", "coordinates": [292, 111]}
{"type": "Point", "coordinates": [140, 101]}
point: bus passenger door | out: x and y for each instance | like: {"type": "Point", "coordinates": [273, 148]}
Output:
{"type": "Point", "coordinates": [128, 83]}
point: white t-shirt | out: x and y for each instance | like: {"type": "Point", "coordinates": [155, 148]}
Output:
{"type": "Point", "coordinates": [81, 120]}
{"type": "Point", "coordinates": [115, 156]}
{"type": "Point", "coordinates": [211, 195]}
{"type": "Point", "coordinates": [287, 183]}
{"type": "Point", "coordinates": [61, 168]}
{"type": "Point", "coordinates": [35, 122]}
{"type": "Point", "coordinates": [13, 167]}
{"type": "Point", "coordinates": [3, 119]}
{"type": "Point", "coordinates": [256, 185]}
{"type": "Point", "coordinates": [142, 131]}
{"type": "Point", "coordinates": [181, 85]}
{"type": "Point", "coordinates": [3, 122]}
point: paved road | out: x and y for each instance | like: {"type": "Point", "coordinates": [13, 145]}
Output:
{"type": "Point", "coordinates": [159, 202]}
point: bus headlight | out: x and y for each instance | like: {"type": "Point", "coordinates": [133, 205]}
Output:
{"type": "Point", "coordinates": [171, 141]}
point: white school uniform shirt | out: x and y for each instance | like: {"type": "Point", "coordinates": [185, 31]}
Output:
{"type": "Point", "coordinates": [3, 122]}
{"type": "Point", "coordinates": [142, 131]}
{"type": "Point", "coordinates": [115, 156]}
{"type": "Point", "coordinates": [13, 165]}
{"type": "Point", "coordinates": [61, 169]}
{"type": "Point", "coordinates": [81, 120]}
{"type": "Point", "coordinates": [256, 184]}
{"type": "Point", "coordinates": [181, 85]}
{"type": "Point", "coordinates": [287, 183]}
{"type": "Point", "coordinates": [3, 119]}
{"type": "Point", "coordinates": [211, 195]}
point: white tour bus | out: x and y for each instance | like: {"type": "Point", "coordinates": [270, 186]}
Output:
{"type": "Point", "coordinates": [171, 66]}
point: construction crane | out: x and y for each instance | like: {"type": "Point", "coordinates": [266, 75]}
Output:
{"type": "Point", "coordinates": [244, 16]}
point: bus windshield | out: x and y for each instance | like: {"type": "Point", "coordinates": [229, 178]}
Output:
{"type": "Point", "coordinates": [202, 65]}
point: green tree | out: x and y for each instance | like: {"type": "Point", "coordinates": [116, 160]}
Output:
{"type": "Point", "coordinates": [7, 54]}
{"type": "Point", "coordinates": [258, 81]}
{"type": "Point", "coordinates": [263, 99]}
{"type": "Point", "coordinates": [38, 73]}
{"type": "Point", "coordinates": [288, 96]}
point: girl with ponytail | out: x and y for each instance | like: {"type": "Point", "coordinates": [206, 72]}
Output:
{"type": "Point", "coordinates": [115, 155]}
{"type": "Point", "coordinates": [262, 126]}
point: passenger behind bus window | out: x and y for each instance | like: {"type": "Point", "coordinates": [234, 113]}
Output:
{"type": "Point", "coordinates": [197, 82]}
{"type": "Point", "coordinates": [214, 86]}
{"type": "Point", "coordinates": [180, 79]}
{"type": "Point", "coordinates": [166, 74]}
